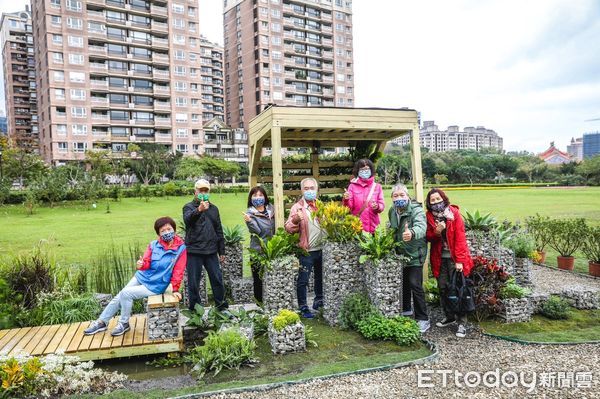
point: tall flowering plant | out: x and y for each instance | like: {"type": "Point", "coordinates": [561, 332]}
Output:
{"type": "Point", "coordinates": [337, 221]}
{"type": "Point", "coordinates": [488, 280]}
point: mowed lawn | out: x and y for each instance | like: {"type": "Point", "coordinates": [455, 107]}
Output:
{"type": "Point", "coordinates": [77, 233]}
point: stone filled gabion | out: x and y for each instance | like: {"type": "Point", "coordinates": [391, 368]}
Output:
{"type": "Point", "coordinates": [202, 289]}
{"type": "Point", "coordinates": [516, 310]}
{"type": "Point", "coordinates": [232, 266]}
{"type": "Point", "coordinates": [242, 290]}
{"type": "Point", "coordinates": [506, 258]}
{"type": "Point", "coordinates": [522, 272]}
{"type": "Point", "coordinates": [342, 276]}
{"type": "Point", "coordinates": [487, 244]}
{"type": "Point", "coordinates": [384, 285]}
{"type": "Point", "coordinates": [279, 284]}
{"type": "Point", "coordinates": [536, 301]}
{"type": "Point", "coordinates": [163, 323]}
{"type": "Point", "coordinates": [581, 297]}
{"type": "Point", "coordinates": [246, 330]}
{"type": "Point", "coordinates": [289, 339]}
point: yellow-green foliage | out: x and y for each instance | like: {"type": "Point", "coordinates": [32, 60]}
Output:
{"type": "Point", "coordinates": [285, 318]}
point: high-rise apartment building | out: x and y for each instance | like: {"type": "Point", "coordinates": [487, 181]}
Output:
{"type": "Point", "coordinates": [115, 72]}
{"type": "Point", "coordinates": [286, 52]}
{"type": "Point", "coordinates": [16, 38]}
{"type": "Point", "coordinates": [211, 71]}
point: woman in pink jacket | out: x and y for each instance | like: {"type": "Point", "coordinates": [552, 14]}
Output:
{"type": "Point", "coordinates": [363, 196]}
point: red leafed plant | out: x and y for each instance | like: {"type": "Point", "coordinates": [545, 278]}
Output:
{"type": "Point", "coordinates": [488, 279]}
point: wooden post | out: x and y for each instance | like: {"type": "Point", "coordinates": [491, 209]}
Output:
{"type": "Point", "coordinates": [415, 157]}
{"type": "Point", "coordinates": [314, 159]}
{"type": "Point", "coordinates": [277, 175]}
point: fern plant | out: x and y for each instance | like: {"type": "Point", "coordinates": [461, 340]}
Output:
{"type": "Point", "coordinates": [233, 235]}
{"type": "Point", "coordinates": [378, 245]}
{"type": "Point", "coordinates": [477, 221]}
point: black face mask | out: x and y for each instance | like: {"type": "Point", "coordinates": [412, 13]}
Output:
{"type": "Point", "coordinates": [439, 207]}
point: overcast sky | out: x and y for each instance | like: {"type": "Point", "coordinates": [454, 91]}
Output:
{"type": "Point", "coordinates": [530, 70]}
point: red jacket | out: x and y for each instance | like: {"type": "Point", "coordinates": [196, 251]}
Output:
{"type": "Point", "coordinates": [457, 243]}
{"type": "Point", "coordinates": [178, 268]}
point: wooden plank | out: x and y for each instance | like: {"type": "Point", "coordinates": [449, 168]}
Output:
{"type": "Point", "coordinates": [58, 337]}
{"type": "Point", "coordinates": [35, 340]}
{"type": "Point", "coordinates": [127, 339]}
{"type": "Point", "coordinates": [282, 112]}
{"type": "Point", "coordinates": [138, 334]}
{"type": "Point", "coordinates": [22, 332]}
{"type": "Point", "coordinates": [10, 334]}
{"type": "Point", "coordinates": [308, 165]}
{"type": "Point", "coordinates": [22, 343]}
{"type": "Point", "coordinates": [298, 178]}
{"type": "Point", "coordinates": [107, 339]}
{"type": "Point", "coordinates": [136, 350]}
{"type": "Point", "coordinates": [417, 171]}
{"type": "Point", "coordinates": [333, 190]}
{"type": "Point", "coordinates": [155, 301]}
{"type": "Point", "coordinates": [169, 300]}
{"type": "Point", "coordinates": [277, 174]}
{"type": "Point", "coordinates": [46, 339]}
{"type": "Point", "coordinates": [77, 336]}
{"type": "Point", "coordinates": [3, 333]}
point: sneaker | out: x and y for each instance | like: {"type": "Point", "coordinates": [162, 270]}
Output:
{"type": "Point", "coordinates": [407, 313]}
{"type": "Point", "coordinates": [317, 305]}
{"type": "Point", "coordinates": [462, 331]}
{"type": "Point", "coordinates": [96, 326]}
{"type": "Point", "coordinates": [120, 329]}
{"type": "Point", "coordinates": [445, 322]}
{"type": "Point", "coordinates": [306, 314]}
{"type": "Point", "coordinates": [423, 325]}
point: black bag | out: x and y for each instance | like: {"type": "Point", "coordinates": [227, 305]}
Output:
{"type": "Point", "coordinates": [452, 295]}
{"type": "Point", "coordinates": [460, 294]}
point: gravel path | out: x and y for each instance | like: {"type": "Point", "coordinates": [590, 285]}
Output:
{"type": "Point", "coordinates": [552, 281]}
{"type": "Point", "coordinates": [473, 353]}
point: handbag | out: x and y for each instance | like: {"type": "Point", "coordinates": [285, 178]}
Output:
{"type": "Point", "coordinates": [460, 294]}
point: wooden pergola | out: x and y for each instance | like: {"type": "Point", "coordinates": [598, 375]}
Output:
{"type": "Point", "coordinates": [280, 127]}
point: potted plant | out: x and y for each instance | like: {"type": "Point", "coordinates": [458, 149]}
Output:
{"type": "Point", "coordinates": [278, 267]}
{"type": "Point", "coordinates": [566, 237]}
{"type": "Point", "coordinates": [383, 270]}
{"type": "Point", "coordinates": [591, 249]}
{"type": "Point", "coordinates": [232, 266]}
{"type": "Point", "coordinates": [523, 246]}
{"type": "Point", "coordinates": [537, 226]}
{"type": "Point", "coordinates": [342, 275]}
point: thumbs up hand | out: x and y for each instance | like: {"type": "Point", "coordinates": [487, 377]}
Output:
{"type": "Point", "coordinates": [406, 235]}
{"type": "Point", "coordinates": [140, 262]}
{"type": "Point", "coordinates": [346, 194]}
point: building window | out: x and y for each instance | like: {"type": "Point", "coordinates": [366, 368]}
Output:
{"type": "Point", "coordinates": [59, 94]}
{"type": "Point", "coordinates": [62, 147]}
{"type": "Point", "coordinates": [79, 130]}
{"type": "Point", "coordinates": [179, 70]}
{"type": "Point", "coordinates": [180, 55]}
{"type": "Point", "coordinates": [178, 8]}
{"type": "Point", "coordinates": [76, 59]}
{"type": "Point", "coordinates": [79, 147]}
{"type": "Point", "coordinates": [178, 23]}
{"type": "Point", "coordinates": [55, 3]}
{"type": "Point", "coordinates": [180, 86]}
{"type": "Point", "coordinates": [74, 5]}
{"type": "Point", "coordinates": [59, 76]}
{"type": "Point", "coordinates": [75, 41]}
{"type": "Point", "coordinates": [57, 39]}
{"type": "Point", "coordinates": [181, 102]}
{"type": "Point", "coordinates": [183, 148]}
{"type": "Point", "coordinates": [181, 117]}
{"type": "Point", "coordinates": [78, 112]}
{"type": "Point", "coordinates": [181, 133]}
{"type": "Point", "coordinates": [77, 94]}
{"type": "Point", "coordinates": [74, 23]}
{"type": "Point", "coordinates": [57, 58]}
{"type": "Point", "coordinates": [56, 20]}
{"type": "Point", "coordinates": [77, 77]}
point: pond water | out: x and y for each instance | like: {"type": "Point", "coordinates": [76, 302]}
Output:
{"type": "Point", "coordinates": [136, 368]}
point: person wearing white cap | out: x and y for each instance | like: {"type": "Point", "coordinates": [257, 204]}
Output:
{"type": "Point", "coordinates": [205, 245]}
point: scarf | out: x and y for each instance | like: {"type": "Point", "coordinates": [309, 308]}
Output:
{"type": "Point", "coordinates": [445, 214]}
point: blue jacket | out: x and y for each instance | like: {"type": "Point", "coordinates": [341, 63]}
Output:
{"type": "Point", "coordinates": [158, 276]}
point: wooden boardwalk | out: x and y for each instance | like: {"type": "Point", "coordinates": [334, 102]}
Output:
{"type": "Point", "coordinates": [44, 340]}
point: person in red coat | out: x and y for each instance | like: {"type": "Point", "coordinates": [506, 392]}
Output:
{"type": "Point", "coordinates": [449, 250]}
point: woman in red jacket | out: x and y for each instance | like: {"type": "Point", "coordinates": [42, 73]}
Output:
{"type": "Point", "coordinates": [449, 250]}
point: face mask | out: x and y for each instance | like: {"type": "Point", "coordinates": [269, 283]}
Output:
{"type": "Point", "coordinates": [310, 195]}
{"type": "Point", "coordinates": [259, 201]}
{"type": "Point", "coordinates": [401, 203]}
{"type": "Point", "coordinates": [203, 196]}
{"type": "Point", "coordinates": [439, 207]}
{"type": "Point", "coordinates": [364, 174]}
{"type": "Point", "coordinates": [168, 236]}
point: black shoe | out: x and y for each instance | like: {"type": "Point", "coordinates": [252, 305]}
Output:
{"type": "Point", "coordinates": [317, 305]}
{"type": "Point", "coordinates": [445, 322]}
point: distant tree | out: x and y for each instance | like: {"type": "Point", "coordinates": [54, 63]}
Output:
{"type": "Point", "coordinates": [22, 166]}
{"type": "Point", "coordinates": [189, 168]}
{"type": "Point", "coordinates": [470, 173]}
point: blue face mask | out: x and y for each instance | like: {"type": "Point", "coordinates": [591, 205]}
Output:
{"type": "Point", "coordinates": [439, 207]}
{"type": "Point", "coordinates": [167, 237]}
{"type": "Point", "coordinates": [364, 174]}
{"type": "Point", "coordinates": [258, 201]}
{"type": "Point", "coordinates": [401, 203]}
{"type": "Point", "coordinates": [310, 195]}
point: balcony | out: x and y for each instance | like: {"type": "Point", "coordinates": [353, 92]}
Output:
{"type": "Point", "coordinates": [100, 101]}
{"type": "Point", "coordinates": [141, 122]}
{"type": "Point", "coordinates": [97, 33]}
{"type": "Point", "coordinates": [96, 2]}
{"type": "Point", "coordinates": [97, 66]}
{"type": "Point", "coordinates": [159, 57]}
{"type": "Point", "coordinates": [160, 74]}
{"type": "Point", "coordinates": [160, 42]}
{"type": "Point", "coordinates": [162, 105]}
{"type": "Point", "coordinates": [162, 121]}
{"type": "Point", "coordinates": [156, 10]}
{"type": "Point", "coordinates": [97, 49]}
{"type": "Point", "coordinates": [160, 26]}
{"type": "Point", "coordinates": [96, 15]}
{"type": "Point", "coordinates": [99, 83]}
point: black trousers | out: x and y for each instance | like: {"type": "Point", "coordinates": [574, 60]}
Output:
{"type": "Point", "coordinates": [215, 276]}
{"type": "Point", "coordinates": [412, 288]}
{"type": "Point", "coordinates": [258, 283]}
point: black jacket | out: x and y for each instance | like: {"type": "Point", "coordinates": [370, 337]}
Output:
{"type": "Point", "coordinates": [203, 230]}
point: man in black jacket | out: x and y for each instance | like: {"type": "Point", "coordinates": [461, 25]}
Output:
{"type": "Point", "coordinates": [204, 240]}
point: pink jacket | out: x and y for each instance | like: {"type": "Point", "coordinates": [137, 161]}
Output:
{"type": "Point", "coordinates": [302, 227]}
{"type": "Point", "coordinates": [359, 191]}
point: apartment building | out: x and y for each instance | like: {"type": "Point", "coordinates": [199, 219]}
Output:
{"type": "Point", "coordinates": [471, 138]}
{"type": "Point", "coordinates": [221, 141]}
{"type": "Point", "coordinates": [211, 72]}
{"type": "Point", "coordinates": [286, 52]}
{"type": "Point", "coordinates": [115, 72]}
{"type": "Point", "coordinates": [16, 38]}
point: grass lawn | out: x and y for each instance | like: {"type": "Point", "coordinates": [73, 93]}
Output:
{"type": "Point", "coordinates": [77, 234]}
{"type": "Point", "coordinates": [583, 325]}
{"type": "Point", "coordinates": [338, 351]}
